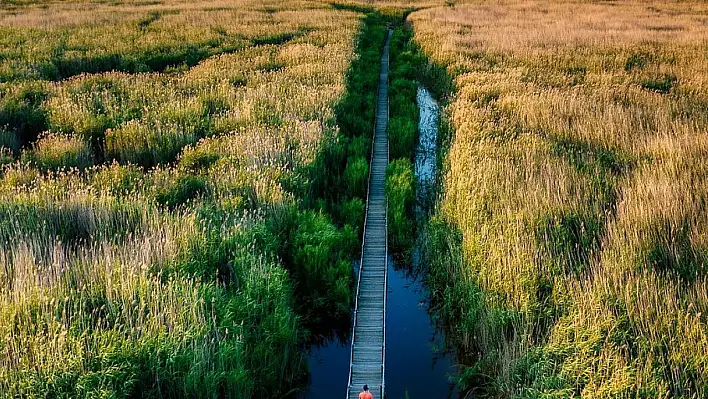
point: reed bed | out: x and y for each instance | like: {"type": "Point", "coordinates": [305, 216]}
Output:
{"type": "Point", "coordinates": [572, 212]}
{"type": "Point", "coordinates": [159, 233]}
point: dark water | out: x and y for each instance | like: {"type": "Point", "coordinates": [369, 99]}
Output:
{"type": "Point", "coordinates": [329, 370]}
{"type": "Point", "coordinates": [415, 366]}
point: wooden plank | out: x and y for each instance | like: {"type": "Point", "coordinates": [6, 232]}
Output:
{"type": "Point", "coordinates": [368, 351]}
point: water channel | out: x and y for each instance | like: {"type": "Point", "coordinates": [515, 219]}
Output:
{"type": "Point", "coordinates": [415, 364]}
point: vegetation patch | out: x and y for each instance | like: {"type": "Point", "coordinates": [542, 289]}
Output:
{"type": "Point", "coordinates": [406, 70]}
{"type": "Point", "coordinates": [564, 252]}
{"type": "Point", "coordinates": [659, 84]}
{"type": "Point", "coordinates": [21, 113]}
{"type": "Point", "coordinates": [160, 229]}
{"type": "Point", "coordinates": [638, 61]}
{"type": "Point", "coordinates": [57, 151]}
{"type": "Point", "coordinates": [400, 192]}
{"type": "Point", "coordinates": [281, 38]}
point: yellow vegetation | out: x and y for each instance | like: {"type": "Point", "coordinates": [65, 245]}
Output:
{"type": "Point", "coordinates": [576, 177]}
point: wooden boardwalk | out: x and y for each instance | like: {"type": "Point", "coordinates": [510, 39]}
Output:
{"type": "Point", "coordinates": [368, 350]}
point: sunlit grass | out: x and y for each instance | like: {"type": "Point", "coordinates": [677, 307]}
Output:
{"type": "Point", "coordinates": [157, 159]}
{"type": "Point", "coordinates": [574, 179]}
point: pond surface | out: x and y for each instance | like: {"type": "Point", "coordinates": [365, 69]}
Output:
{"type": "Point", "coordinates": [415, 366]}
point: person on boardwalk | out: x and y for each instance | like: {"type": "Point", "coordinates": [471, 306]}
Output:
{"type": "Point", "coordinates": [365, 394]}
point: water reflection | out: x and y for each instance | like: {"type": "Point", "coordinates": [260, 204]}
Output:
{"type": "Point", "coordinates": [426, 151]}
{"type": "Point", "coordinates": [416, 367]}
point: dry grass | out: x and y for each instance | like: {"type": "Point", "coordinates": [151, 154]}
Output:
{"type": "Point", "coordinates": [576, 179]}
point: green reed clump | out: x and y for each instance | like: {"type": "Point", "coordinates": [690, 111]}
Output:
{"type": "Point", "coordinates": [172, 191]}
{"type": "Point", "coordinates": [352, 212]}
{"type": "Point", "coordinates": [400, 192]}
{"type": "Point", "coordinates": [56, 151]}
{"type": "Point", "coordinates": [403, 133]}
{"type": "Point", "coordinates": [356, 176]}
{"type": "Point", "coordinates": [21, 112]}
{"type": "Point", "coordinates": [199, 158]}
{"type": "Point", "coordinates": [116, 179]}
{"type": "Point", "coordinates": [321, 257]}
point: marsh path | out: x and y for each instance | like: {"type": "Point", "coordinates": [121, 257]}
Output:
{"type": "Point", "coordinates": [368, 345]}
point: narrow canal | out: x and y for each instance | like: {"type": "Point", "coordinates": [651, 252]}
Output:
{"type": "Point", "coordinates": [416, 366]}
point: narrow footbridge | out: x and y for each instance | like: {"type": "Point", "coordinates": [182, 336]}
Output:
{"type": "Point", "coordinates": [368, 350]}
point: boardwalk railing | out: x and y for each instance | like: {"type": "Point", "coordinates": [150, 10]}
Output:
{"type": "Point", "coordinates": [368, 346]}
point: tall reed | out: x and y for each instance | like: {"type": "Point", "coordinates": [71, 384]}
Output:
{"type": "Point", "coordinates": [567, 251]}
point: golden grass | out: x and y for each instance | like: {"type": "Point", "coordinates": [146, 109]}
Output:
{"type": "Point", "coordinates": [576, 178]}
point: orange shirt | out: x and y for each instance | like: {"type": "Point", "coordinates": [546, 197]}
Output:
{"type": "Point", "coordinates": [366, 395]}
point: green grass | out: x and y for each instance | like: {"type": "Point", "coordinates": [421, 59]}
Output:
{"type": "Point", "coordinates": [400, 192]}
